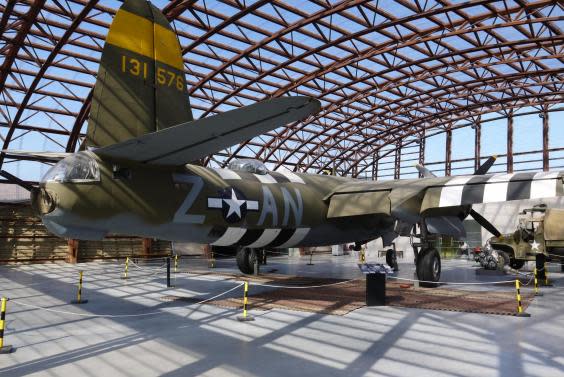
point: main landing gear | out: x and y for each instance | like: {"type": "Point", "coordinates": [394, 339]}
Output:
{"type": "Point", "coordinates": [427, 257]}
{"type": "Point", "coordinates": [248, 258]}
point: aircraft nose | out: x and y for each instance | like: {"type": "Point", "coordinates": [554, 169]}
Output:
{"type": "Point", "coordinates": [41, 201]}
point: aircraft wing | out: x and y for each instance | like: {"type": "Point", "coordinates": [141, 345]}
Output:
{"type": "Point", "coordinates": [191, 141]}
{"type": "Point", "coordinates": [408, 199]}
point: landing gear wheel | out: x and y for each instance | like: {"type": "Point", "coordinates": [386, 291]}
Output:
{"type": "Point", "coordinates": [246, 259]}
{"type": "Point", "coordinates": [392, 259]}
{"type": "Point", "coordinates": [516, 264]}
{"type": "Point", "coordinates": [428, 267]}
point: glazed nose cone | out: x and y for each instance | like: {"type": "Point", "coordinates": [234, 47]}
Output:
{"type": "Point", "coordinates": [41, 201]}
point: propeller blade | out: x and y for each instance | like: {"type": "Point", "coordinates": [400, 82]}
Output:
{"type": "Point", "coordinates": [426, 173]}
{"type": "Point", "coordinates": [483, 169]}
{"type": "Point", "coordinates": [484, 223]}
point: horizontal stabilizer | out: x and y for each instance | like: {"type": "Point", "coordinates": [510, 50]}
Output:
{"type": "Point", "coordinates": [191, 141]}
{"type": "Point", "coordinates": [39, 156]}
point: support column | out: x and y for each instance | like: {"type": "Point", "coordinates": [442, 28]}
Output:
{"type": "Point", "coordinates": [478, 145]}
{"type": "Point", "coordinates": [448, 153]}
{"type": "Point", "coordinates": [147, 243]}
{"type": "Point", "coordinates": [545, 156]}
{"type": "Point", "coordinates": [510, 143]}
{"type": "Point", "coordinates": [421, 154]}
{"type": "Point", "coordinates": [375, 167]}
{"type": "Point", "coordinates": [72, 256]}
{"type": "Point", "coordinates": [397, 162]}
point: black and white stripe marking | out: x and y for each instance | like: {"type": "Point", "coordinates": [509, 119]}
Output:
{"type": "Point", "coordinates": [500, 188]}
{"type": "Point", "coordinates": [273, 237]}
{"type": "Point", "coordinates": [281, 176]}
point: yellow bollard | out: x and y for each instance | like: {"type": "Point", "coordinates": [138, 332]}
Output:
{"type": "Point", "coordinates": [520, 312]}
{"type": "Point", "coordinates": [175, 263]}
{"type": "Point", "coordinates": [537, 291]}
{"type": "Point", "coordinates": [79, 299]}
{"type": "Point", "coordinates": [546, 282]}
{"type": "Point", "coordinates": [126, 268]}
{"type": "Point", "coordinates": [212, 261]}
{"type": "Point", "coordinates": [362, 256]}
{"type": "Point", "coordinates": [3, 348]}
{"type": "Point", "coordinates": [245, 317]}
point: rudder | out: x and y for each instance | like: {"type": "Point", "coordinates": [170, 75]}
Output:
{"type": "Point", "coordinates": [140, 87]}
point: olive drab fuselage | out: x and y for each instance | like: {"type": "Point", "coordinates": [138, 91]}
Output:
{"type": "Point", "coordinates": [193, 203]}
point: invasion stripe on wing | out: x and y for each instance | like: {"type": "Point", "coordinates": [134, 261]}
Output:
{"type": "Point", "coordinates": [496, 188]}
{"type": "Point", "coordinates": [544, 185]}
{"type": "Point", "coordinates": [451, 194]}
{"type": "Point", "coordinates": [500, 188]}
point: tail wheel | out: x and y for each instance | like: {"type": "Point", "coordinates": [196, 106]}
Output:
{"type": "Point", "coordinates": [246, 259]}
{"type": "Point", "coordinates": [429, 266]}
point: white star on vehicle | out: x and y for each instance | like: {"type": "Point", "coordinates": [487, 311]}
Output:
{"type": "Point", "coordinates": [234, 204]}
{"type": "Point", "coordinates": [535, 246]}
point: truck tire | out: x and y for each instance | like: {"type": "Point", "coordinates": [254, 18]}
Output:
{"type": "Point", "coordinates": [502, 260]}
{"type": "Point", "coordinates": [516, 264]}
{"type": "Point", "coordinates": [429, 267]}
{"type": "Point", "coordinates": [391, 258]}
{"type": "Point", "coordinates": [246, 260]}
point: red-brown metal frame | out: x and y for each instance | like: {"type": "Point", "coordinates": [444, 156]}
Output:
{"type": "Point", "coordinates": [387, 73]}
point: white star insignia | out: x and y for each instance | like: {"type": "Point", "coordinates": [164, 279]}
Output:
{"type": "Point", "coordinates": [535, 246]}
{"type": "Point", "coordinates": [234, 204]}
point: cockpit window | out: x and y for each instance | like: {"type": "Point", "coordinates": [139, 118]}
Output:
{"type": "Point", "coordinates": [252, 166]}
{"type": "Point", "coordinates": [79, 167]}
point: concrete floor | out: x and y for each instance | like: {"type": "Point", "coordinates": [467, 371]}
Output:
{"type": "Point", "coordinates": [151, 337]}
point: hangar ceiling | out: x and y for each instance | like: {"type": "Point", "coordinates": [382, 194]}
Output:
{"type": "Point", "coordinates": [388, 73]}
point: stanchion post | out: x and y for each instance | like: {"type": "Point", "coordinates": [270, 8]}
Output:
{"type": "Point", "coordinates": [79, 299]}
{"type": "Point", "coordinates": [212, 260]}
{"type": "Point", "coordinates": [520, 312]}
{"type": "Point", "coordinates": [537, 291]}
{"type": "Point", "coordinates": [175, 263]}
{"type": "Point", "coordinates": [245, 317]}
{"type": "Point", "coordinates": [168, 273]}
{"type": "Point", "coordinates": [126, 268]}
{"type": "Point", "coordinates": [310, 257]}
{"type": "Point", "coordinates": [3, 348]}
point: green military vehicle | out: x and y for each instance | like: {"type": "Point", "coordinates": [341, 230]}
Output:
{"type": "Point", "coordinates": [540, 231]}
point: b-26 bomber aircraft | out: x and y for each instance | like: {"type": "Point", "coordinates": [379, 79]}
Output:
{"type": "Point", "coordinates": [135, 174]}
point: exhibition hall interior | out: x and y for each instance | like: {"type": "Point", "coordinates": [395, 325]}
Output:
{"type": "Point", "coordinates": [282, 188]}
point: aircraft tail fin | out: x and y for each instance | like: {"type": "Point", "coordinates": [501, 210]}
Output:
{"type": "Point", "coordinates": [140, 87]}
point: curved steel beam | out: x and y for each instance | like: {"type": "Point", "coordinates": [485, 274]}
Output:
{"type": "Point", "coordinates": [342, 39]}
{"type": "Point", "coordinates": [386, 48]}
{"type": "Point", "coordinates": [68, 32]}
{"type": "Point", "coordinates": [18, 41]}
{"type": "Point", "coordinates": [449, 112]}
{"type": "Point", "coordinates": [415, 100]}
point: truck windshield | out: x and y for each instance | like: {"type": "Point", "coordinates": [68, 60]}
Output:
{"type": "Point", "coordinates": [79, 167]}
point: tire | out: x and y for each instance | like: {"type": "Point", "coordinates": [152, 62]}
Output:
{"type": "Point", "coordinates": [391, 258]}
{"type": "Point", "coordinates": [502, 260]}
{"type": "Point", "coordinates": [516, 264]}
{"type": "Point", "coordinates": [429, 267]}
{"type": "Point", "coordinates": [246, 260]}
